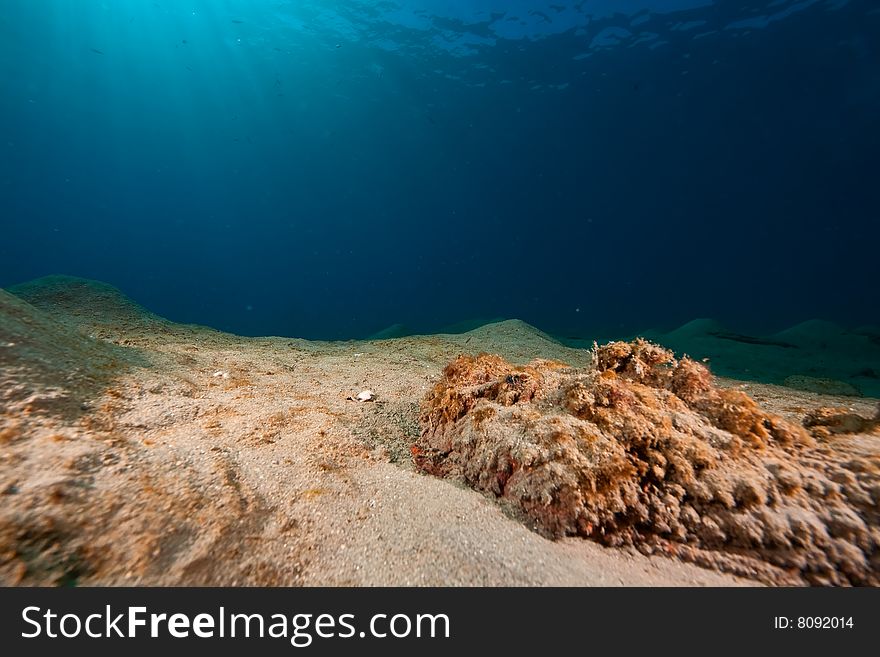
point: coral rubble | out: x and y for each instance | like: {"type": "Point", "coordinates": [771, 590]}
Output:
{"type": "Point", "coordinates": [643, 449]}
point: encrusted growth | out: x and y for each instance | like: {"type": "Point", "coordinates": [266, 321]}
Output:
{"type": "Point", "coordinates": [643, 449]}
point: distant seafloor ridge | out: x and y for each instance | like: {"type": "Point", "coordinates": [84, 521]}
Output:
{"type": "Point", "coordinates": [816, 356]}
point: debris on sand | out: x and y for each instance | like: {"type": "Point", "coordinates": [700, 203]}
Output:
{"type": "Point", "coordinates": [363, 396]}
{"type": "Point", "coordinates": [642, 449]}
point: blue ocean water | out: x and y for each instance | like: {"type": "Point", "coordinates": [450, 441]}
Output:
{"type": "Point", "coordinates": [326, 169]}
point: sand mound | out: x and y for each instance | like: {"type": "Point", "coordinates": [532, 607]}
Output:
{"type": "Point", "coordinates": [514, 339]}
{"type": "Point", "coordinates": [821, 386]}
{"type": "Point", "coordinates": [813, 332]}
{"type": "Point", "coordinates": [46, 365]}
{"type": "Point", "coordinates": [643, 449]}
{"type": "Point", "coordinates": [92, 305]}
{"type": "Point", "coordinates": [391, 332]}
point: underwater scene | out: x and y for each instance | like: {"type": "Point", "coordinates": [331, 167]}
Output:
{"type": "Point", "coordinates": [440, 292]}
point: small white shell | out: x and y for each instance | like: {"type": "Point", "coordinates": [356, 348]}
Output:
{"type": "Point", "coordinates": [365, 396]}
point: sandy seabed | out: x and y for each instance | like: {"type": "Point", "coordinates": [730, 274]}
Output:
{"type": "Point", "coordinates": [136, 451]}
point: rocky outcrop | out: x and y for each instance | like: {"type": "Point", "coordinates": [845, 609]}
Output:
{"type": "Point", "coordinates": [643, 449]}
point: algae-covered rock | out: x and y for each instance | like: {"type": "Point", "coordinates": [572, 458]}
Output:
{"type": "Point", "coordinates": [643, 449]}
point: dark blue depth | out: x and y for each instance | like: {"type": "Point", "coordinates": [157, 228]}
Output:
{"type": "Point", "coordinates": [328, 169]}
